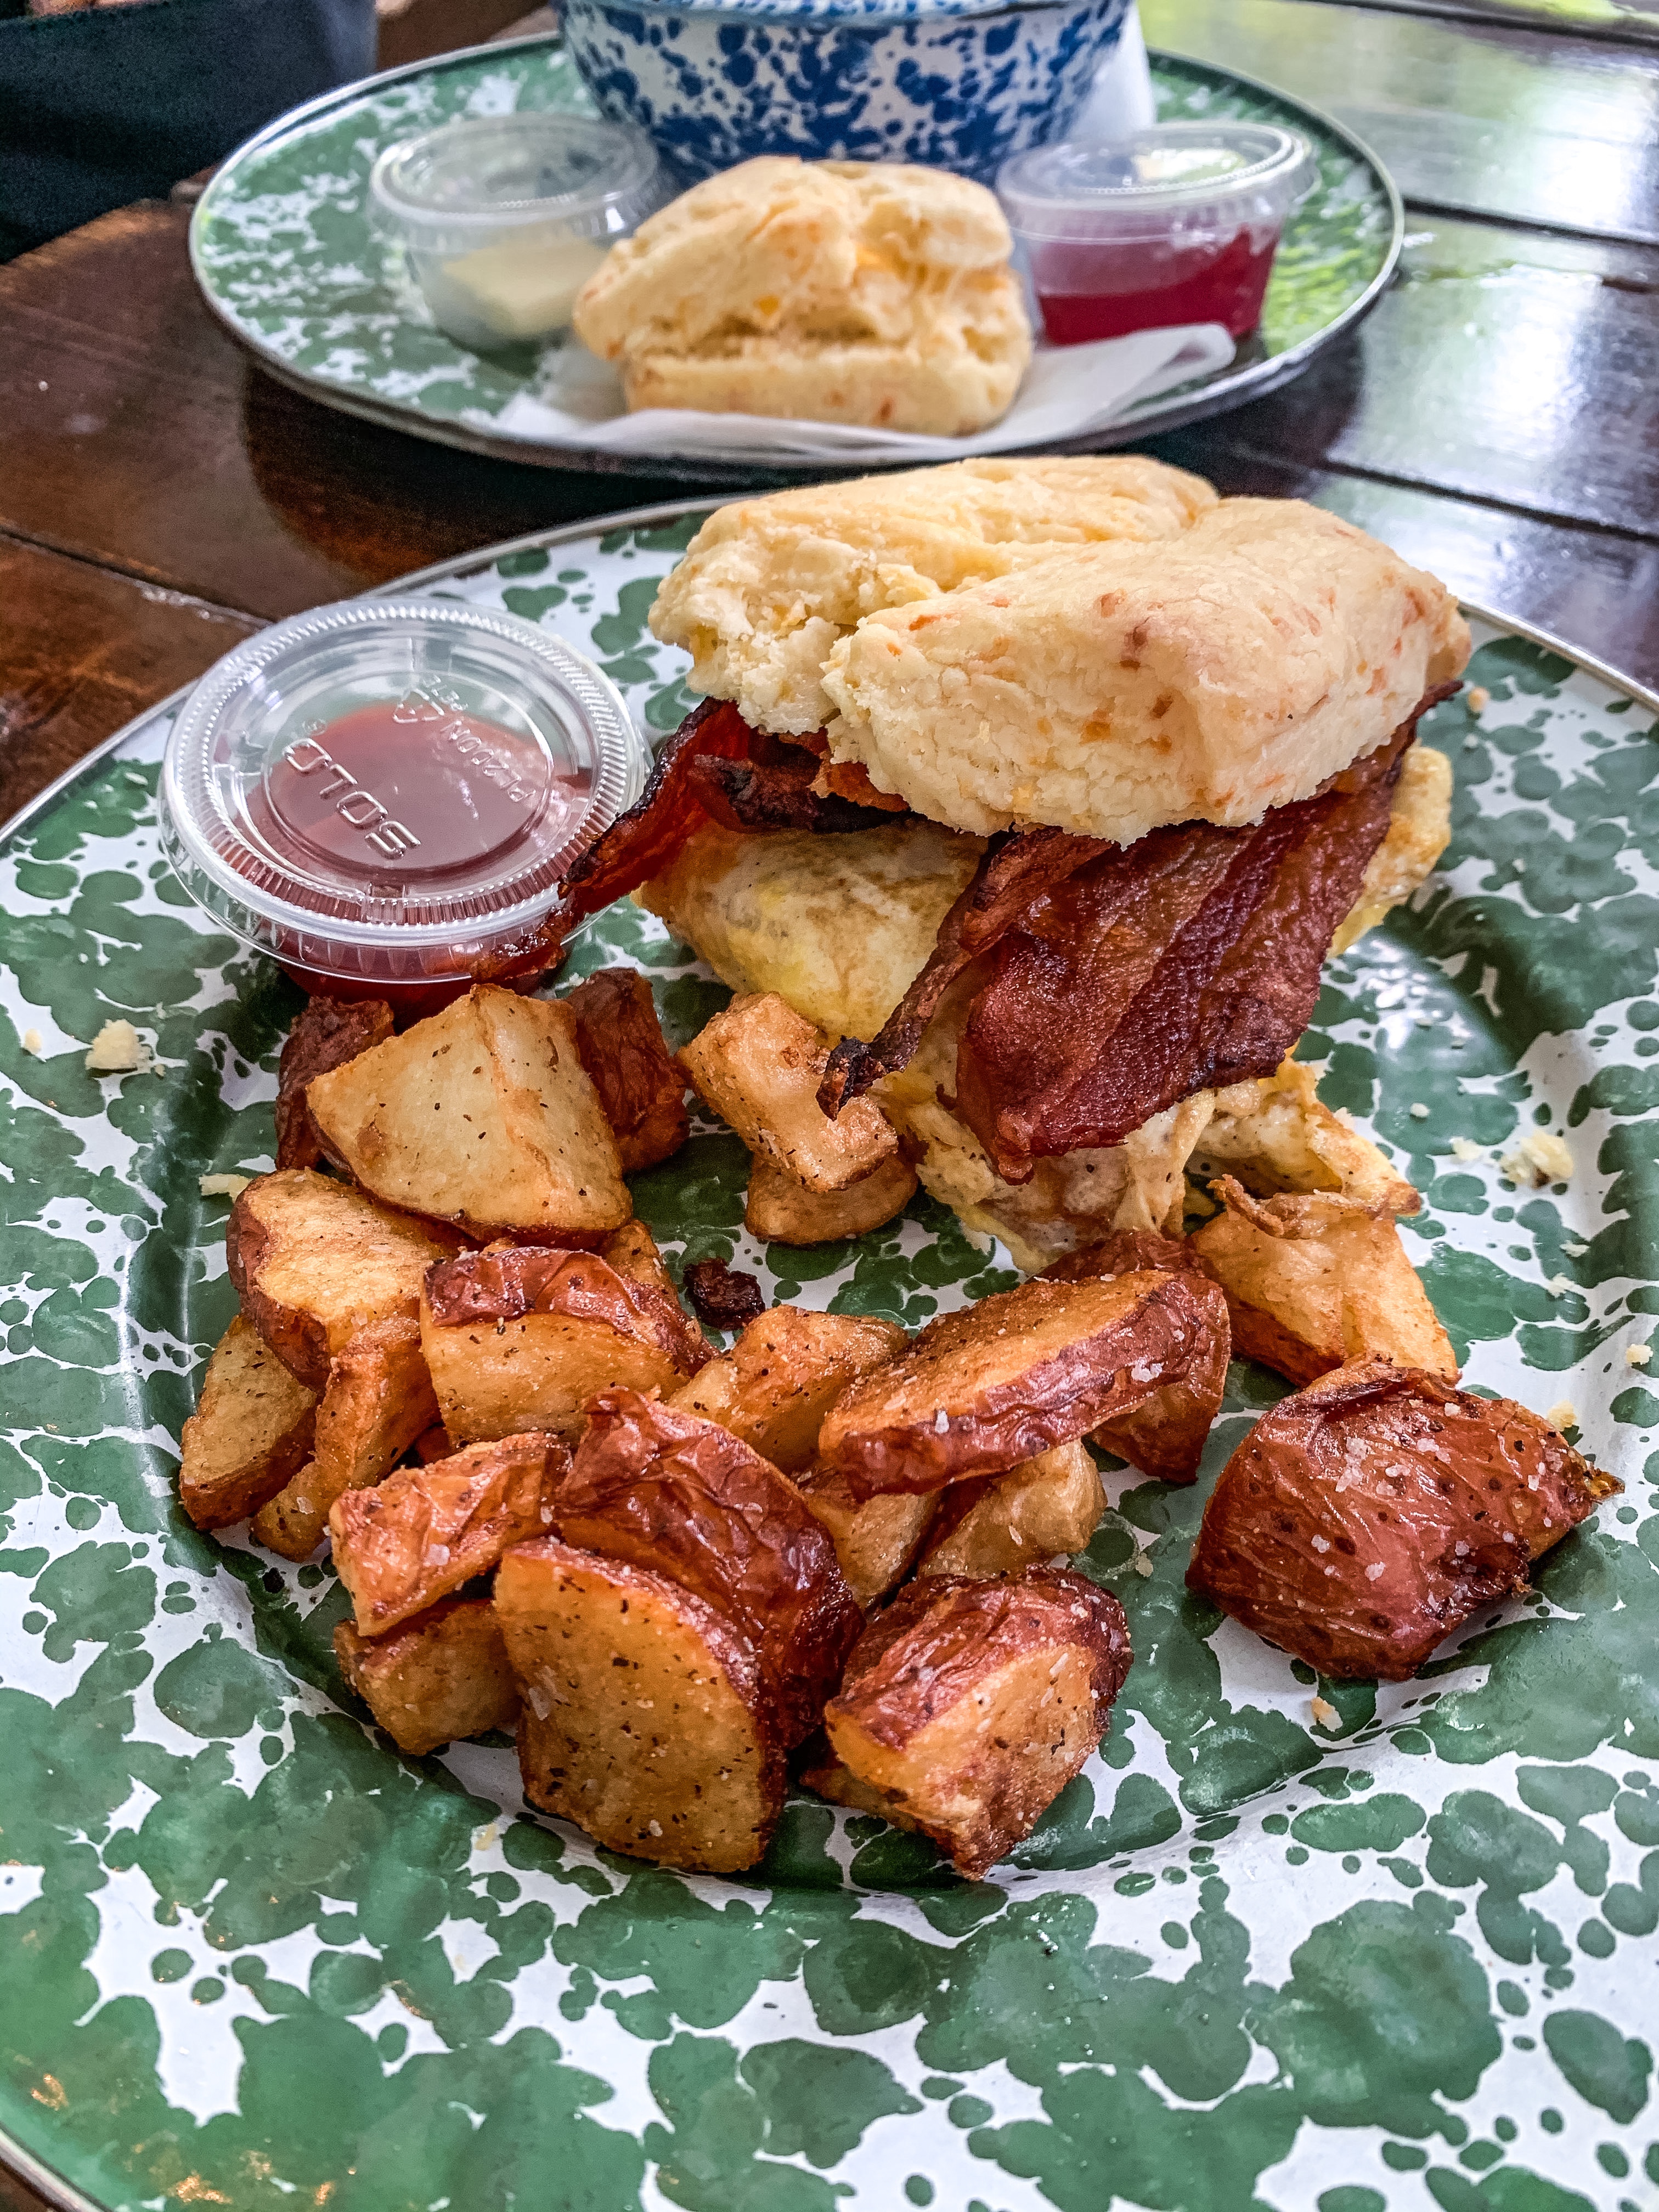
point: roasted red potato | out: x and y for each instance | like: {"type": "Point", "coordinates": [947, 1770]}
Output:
{"type": "Point", "coordinates": [759, 1065]}
{"type": "Point", "coordinates": [483, 1115]}
{"type": "Point", "coordinates": [1165, 1437]}
{"type": "Point", "coordinates": [442, 1677]}
{"type": "Point", "coordinates": [778, 1210]}
{"type": "Point", "coordinates": [996, 1383]}
{"type": "Point", "coordinates": [644, 1718]}
{"type": "Point", "coordinates": [775, 1386]}
{"type": "Point", "coordinates": [632, 1251]}
{"type": "Point", "coordinates": [426, 1530]}
{"type": "Point", "coordinates": [639, 1085]}
{"type": "Point", "coordinates": [876, 1538]}
{"type": "Point", "coordinates": [1365, 1518]}
{"type": "Point", "coordinates": [379, 1400]}
{"type": "Point", "coordinates": [687, 1499]}
{"type": "Point", "coordinates": [521, 1337]}
{"type": "Point", "coordinates": [967, 1706]}
{"type": "Point", "coordinates": [997, 1524]}
{"type": "Point", "coordinates": [1315, 1280]}
{"type": "Point", "coordinates": [314, 1263]}
{"type": "Point", "coordinates": [325, 1034]}
{"type": "Point", "coordinates": [251, 1431]}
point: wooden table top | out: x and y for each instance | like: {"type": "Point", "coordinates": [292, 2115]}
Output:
{"type": "Point", "coordinates": [1494, 419]}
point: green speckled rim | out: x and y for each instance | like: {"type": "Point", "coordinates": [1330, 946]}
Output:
{"type": "Point", "coordinates": [362, 349]}
{"type": "Point", "coordinates": [1247, 1959]}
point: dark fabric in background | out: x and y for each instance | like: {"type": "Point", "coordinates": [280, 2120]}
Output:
{"type": "Point", "coordinates": [116, 104]}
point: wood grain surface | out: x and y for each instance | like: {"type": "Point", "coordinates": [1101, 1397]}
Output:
{"type": "Point", "coordinates": [1471, 117]}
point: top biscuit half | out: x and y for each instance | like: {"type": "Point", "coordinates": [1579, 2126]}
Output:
{"type": "Point", "coordinates": [1096, 644]}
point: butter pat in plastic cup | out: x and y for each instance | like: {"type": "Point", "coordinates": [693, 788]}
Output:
{"type": "Point", "coordinates": [504, 218]}
{"type": "Point", "coordinates": [509, 294]}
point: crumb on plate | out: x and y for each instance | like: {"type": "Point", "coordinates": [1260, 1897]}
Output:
{"type": "Point", "coordinates": [224, 1186]}
{"type": "Point", "coordinates": [118, 1050]}
{"type": "Point", "coordinates": [1540, 1156]}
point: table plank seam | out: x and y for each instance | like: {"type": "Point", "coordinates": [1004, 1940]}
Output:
{"type": "Point", "coordinates": [148, 581]}
{"type": "Point", "coordinates": [1328, 464]}
{"type": "Point", "coordinates": [1467, 211]}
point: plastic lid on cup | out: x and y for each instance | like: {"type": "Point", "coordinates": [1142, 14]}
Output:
{"type": "Point", "coordinates": [453, 189]}
{"type": "Point", "coordinates": [1156, 180]}
{"type": "Point", "coordinates": [389, 790]}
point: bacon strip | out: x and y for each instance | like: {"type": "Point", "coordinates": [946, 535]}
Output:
{"type": "Point", "coordinates": [777, 795]}
{"type": "Point", "coordinates": [1128, 977]}
{"type": "Point", "coordinates": [1017, 868]}
{"type": "Point", "coordinates": [640, 843]}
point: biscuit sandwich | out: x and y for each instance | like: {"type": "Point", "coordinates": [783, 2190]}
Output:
{"type": "Point", "coordinates": [854, 292]}
{"type": "Point", "coordinates": [1042, 789]}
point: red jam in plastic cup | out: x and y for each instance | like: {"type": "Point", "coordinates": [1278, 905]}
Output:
{"type": "Point", "coordinates": [384, 796]}
{"type": "Point", "coordinates": [1173, 225]}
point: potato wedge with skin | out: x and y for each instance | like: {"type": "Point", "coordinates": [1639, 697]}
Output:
{"type": "Point", "coordinates": [325, 1034]}
{"type": "Point", "coordinates": [759, 1065]}
{"type": "Point", "coordinates": [1367, 1517]}
{"type": "Point", "coordinates": [483, 1115]}
{"type": "Point", "coordinates": [876, 1539]}
{"type": "Point", "coordinates": [1001, 1523]}
{"type": "Point", "coordinates": [644, 1718]}
{"type": "Point", "coordinates": [778, 1210]}
{"type": "Point", "coordinates": [632, 1251]}
{"type": "Point", "coordinates": [314, 1263]}
{"type": "Point", "coordinates": [520, 1338]}
{"type": "Point", "coordinates": [1164, 1438]}
{"type": "Point", "coordinates": [1313, 1281]}
{"type": "Point", "coordinates": [442, 1677]}
{"type": "Point", "coordinates": [251, 1431]}
{"type": "Point", "coordinates": [775, 1386]}
{"type": "Point", "coordinates": [426, 1530]}
{"type": "Point", "coordinates": [690, 1501]}
{"type": "Point", "coordinates": [639, 1087]}
{"type": "Point", "coordinates": [378, 1400]}
{"type": "Point", "coordinates": [967, 1707]}
{"type": "Point", "coordinates": [996, 1383]}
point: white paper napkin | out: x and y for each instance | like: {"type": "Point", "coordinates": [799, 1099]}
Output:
{"type": "Point", "coordinates": [1068, 390]}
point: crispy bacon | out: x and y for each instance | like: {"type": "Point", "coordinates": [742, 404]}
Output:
{"type": "Point", "coordinates": [637, 846]}
{"type": "Point", "coordinates": [777, 795]}
{"type": "Point", "coordinates": [1019, 867]}
{"type": "Point", "coordinates": [851, 780]}
{"type": "Point", "coordinates": [1185, 962]}
{"type": "Point", "coordinates": [1128, 977]}
{"type": "Point", "coordinates": [640, 843]}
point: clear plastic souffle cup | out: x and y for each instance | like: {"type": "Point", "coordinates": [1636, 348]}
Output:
{"type": "Point", "coordinates": [505, 217]}
{"type": "Point", "coordinates": [384, 796]}
{"type": "Point", "coordinates": [1175, 224]}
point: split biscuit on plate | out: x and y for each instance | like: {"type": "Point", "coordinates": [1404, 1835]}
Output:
{"type": "Point", "coordinates": [829, 291]}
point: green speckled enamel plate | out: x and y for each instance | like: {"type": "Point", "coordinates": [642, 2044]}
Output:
{"type": "Point", "coordinates": [1403, 1959]}
{"type": "Point", "coordinates": [286, 258]}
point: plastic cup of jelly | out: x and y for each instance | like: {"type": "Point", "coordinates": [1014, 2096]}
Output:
{"type": "Point", "coordinates": [384, 796]}
{"type": "Point", "coordinates": [506, 217]}
{"type": "Point", "coordinates": [1171, 225]}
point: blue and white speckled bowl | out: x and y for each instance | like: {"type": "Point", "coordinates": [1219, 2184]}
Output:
{"type": "Point", "coordinates": [960, 84]}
